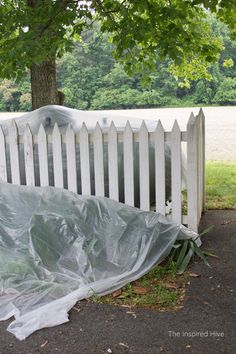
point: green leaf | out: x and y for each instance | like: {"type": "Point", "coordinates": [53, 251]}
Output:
{"type": "Point", "coordinates": [182, 253]}
{"type": "Point", "coordinates": [200, 254]}
{"type": "Point", "coordinates": [185, 262]}
{"type": "Point", "coordinates": [206, 231]}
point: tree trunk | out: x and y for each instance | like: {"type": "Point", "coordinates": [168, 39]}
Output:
{"type": "Point", "coordinates": [43, 84]}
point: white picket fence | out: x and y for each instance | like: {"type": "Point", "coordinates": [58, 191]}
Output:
{"type": "Point", "coordinates": [37, 147]}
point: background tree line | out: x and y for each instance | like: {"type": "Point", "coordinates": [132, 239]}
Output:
{"type": "Point", "coordinates": [91, 78]}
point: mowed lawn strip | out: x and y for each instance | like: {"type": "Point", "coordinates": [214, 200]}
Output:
{"type": "Point", "coordinates": [220, 185]}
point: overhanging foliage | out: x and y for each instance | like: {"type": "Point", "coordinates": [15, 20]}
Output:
{"type": "Point", "coordinates": [32, 31]}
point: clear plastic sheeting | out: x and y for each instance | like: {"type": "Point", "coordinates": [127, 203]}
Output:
{"type": "Point", "coordinates": [57, 247]}
{"type": "Point", "coordinates": [49, 115]}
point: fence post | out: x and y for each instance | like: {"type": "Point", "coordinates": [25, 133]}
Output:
{"type": "Point", "coordinates": [203, 173]}
{"type": "Point", "coordinates": [192, 172]}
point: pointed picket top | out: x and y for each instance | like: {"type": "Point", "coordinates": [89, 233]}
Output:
{"type": "Point", "coordinates": [98, 131]}
{"type": "Point", "coordinates": [83, 129]}
{"type": "Point", "coordinates": [128, 132]}
{"type": "Point", "coordinates": [13, 132]}
{"type": "Point", "coordinates": [192, 119]}
{"type": "Point", "coordinates": [201, 113]}
{"type": "Point", "coordinates": [112, 128]}
{"type": "Point", "coordinates": [112, 134]}
{"type": "Point", "coordinates": [3, 165]}
{"type": "Point", "coordinates": [176, 128]}
{"type": "Point", "coordinates": [13, 125]}
{"type": "Point", "coordinates": [159, 127]}
{"type": "Point", "coordinates": [97, 134]}
{"type": "Point", "coordinates": [27, 131]}
{"type": "Point", "coordinates": [143, 126]}
{"type": "Point", "coordinates": [69, 131]}
{"type": "Point", "coordinates": [56, 130]}
{"type": "Point", "coordinates": [84, 135]}
{"type": "Point", "coordinates": [143, 132]}
{"type": "Point", "coordinates": [41, 132]}
{"type": "Point", "coordinates": [27, 138]}
{"type": "Point", "coordinates": [98, 128]}
{"type": "Point", "coordinates": [128, 128]}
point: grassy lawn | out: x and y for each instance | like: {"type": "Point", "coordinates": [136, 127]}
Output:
{"type": "Point", "coordinates": [220, 185]}
{"type": "Point", "coordinates": [160, 289]}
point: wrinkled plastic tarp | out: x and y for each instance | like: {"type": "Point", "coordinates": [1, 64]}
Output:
{"type": "Point", "coordinates": [57, 247]}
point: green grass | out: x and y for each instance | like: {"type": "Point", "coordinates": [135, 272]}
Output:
{"type": "Point", "coordinates": [220, 185]}
{"type": "Point", "coordinates": [160, 289]}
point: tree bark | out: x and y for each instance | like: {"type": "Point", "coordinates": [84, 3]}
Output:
{"type": "Point", "coordinates": [44, 86]}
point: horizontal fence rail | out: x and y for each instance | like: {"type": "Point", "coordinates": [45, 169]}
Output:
{"type": "Point", "coordinates": [141, 168]}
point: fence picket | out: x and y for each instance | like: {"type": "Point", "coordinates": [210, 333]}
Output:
{"type": "Point", "coordinates": [57, 157]}
{"type": "Point", "coordinates": [192, 174]}
{"type": "Point", "coordinates": [98, 161]}
{"type": "Point", "coordinates": [29, 157]}
{"type": "Point", "coordinates": [128, 165]}
{"type": "Point", "coordinates": [144, 168]}
{"type": "Point", "coordinates": [113, 163]}
{"type": "Point", "coordinates": [176, 173]}
{"type": "Point", "coordinates": [160, 168]}
{"type": "Point", "coordinates": [85, 161]}
{"type": "Point", "coordinates": [14, 153]}
{"type": "Point", "coordinates": [43, 157]}
{"type": "Point", "coordinates": [3, 163]}
{"type": "Point", "coordinates": [71, 160]}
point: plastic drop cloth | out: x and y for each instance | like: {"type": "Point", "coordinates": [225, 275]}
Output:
{"type": "Point", "coordinates": [57, 247]}
{"type": "Point", "coordinates": [49, 115]}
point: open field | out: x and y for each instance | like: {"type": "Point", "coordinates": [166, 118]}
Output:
{"type": "Point", "coordinates": [220, 125]}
